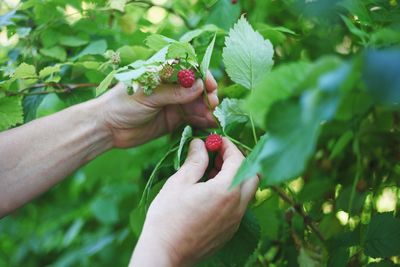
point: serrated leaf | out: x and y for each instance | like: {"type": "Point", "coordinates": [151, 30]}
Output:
{"type": "Point", "coordinates": [103, 86]}
{"type": "Point", "coordinates": [182, 50]}
{"type": "Point", "coordinates": [158, 41]}
{"type": "Point", "coordinates": [247, 56]}
{"type": "Point", "coordinates": [95, 48]}
{"type": "Point", "coordinates": [11, 112]}
{"type": "Point", "coordinates": [229, 113]}
{"type": "Point", "coordinates": [72, 41]}
{"type": "Point", "coordinates": [186, 135]}
{"type": "Point", "coordinates": [205, 63]}
{"type": "Point", "coordinates": [277, 85]}
{"type": "Point", "coordinates": [128, 76]}
{"type": "Point", "coordinates": [293, 129]}
{"type": "Point", "coordinates": [49, 71]}
{"type": "Point", "coordinates": [224, 14]}
{"type": "Point", "coordinates": [31, 104]}
{"type": "Point", "coordinates": [55, 52]}
{"type": "Point", "coordinates": [25, 71]}
{"type": "Point", "coordinates": [382, 239]}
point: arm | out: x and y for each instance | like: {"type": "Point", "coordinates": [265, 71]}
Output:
{"type": "Point", "coordinates": [188, 220]}
{"type": "Point", "coordinates": [36, 156]}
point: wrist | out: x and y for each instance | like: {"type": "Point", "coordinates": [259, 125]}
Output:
{"type": "Point", "coordinates": [149, 245]}
{"type": "Point", "coordinates": [98, 137]}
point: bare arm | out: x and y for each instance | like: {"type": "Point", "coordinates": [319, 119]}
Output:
{"type": "Point", "coordinates": [38, 155]}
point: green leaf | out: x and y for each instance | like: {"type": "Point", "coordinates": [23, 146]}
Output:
{"type": "Point", "coordinates": [277, 85]}
{"type": "Point", "coordinates": [128, 76]}
{"type": "Point", "coordinates": [308, 258]}
{"type": "Point", "coordinates": [182, 50]}
{"type": "Point", "coordinates": [382, 238]}
{"type": "Point", "coordinates": [103, 86]}
{"type": "Point", "coordinates": [293, 129]}
{"type": "Point", "coordinates": [10, 112]}
{"type": "Point", "coordinates": [72, 41]}
{"type": "Point", "coordinates": [381, 76]}
{"type": "Point", "coordinates": [247, 56]}
{"type": "Point", "coordinates": [158, 41]}
{"type": "Point", "coordinates": [55, 52]}
{"type": "Point", "coordinates": [229, 113]}
{"type": "Point", "coordinates": [31, 104]}
{"type": "Point", "coordinates": [205, 63]}
{"type": "Point", "coordinates": [251, 164]}
{"type": "Point", "coordinates": [341, 144]}
{"type": "Point", "coordinates": [186, 136]}
{"type": "Point", "coordinates": [49, 71]}
{"type": "Point", "coordinates": [105, 210]}
{"type": "Point", "coordinates": [224, 14]}
{"type": "Point", "coordinates": [25, 71]}
{"type": "Point", "coordinates": [241, 246]}
{"type": "Point", "coordinates": [95, 48]}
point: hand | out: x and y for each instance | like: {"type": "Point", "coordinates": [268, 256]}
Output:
{"type": "Point", "coordinates": [189, 220]}
{"type": "Point", "coordinates": [135, 119]}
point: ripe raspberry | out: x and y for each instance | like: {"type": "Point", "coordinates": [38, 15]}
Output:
{"type": "Point", "coordinates": [186, 78]}
{"type": "Point", "coordinates": [234, 1]}
{"type": "Point", "coordinates": [213, 142]}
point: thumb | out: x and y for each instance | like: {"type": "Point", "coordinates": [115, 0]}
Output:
{"type": "Point", "coordinates": [175, 94]}
{"type": "Point", "coordinates": [196, 163]}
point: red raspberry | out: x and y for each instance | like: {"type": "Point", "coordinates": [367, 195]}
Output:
{"type": "Point", "coordinates": [186, 78]}
{"type": "Point", "coordinates": [234, 1]}
{"type": "Point", "coordinates": [213, 142]}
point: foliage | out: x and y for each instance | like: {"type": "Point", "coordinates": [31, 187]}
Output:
{"type": "Point", "coordinates": [320, 127]}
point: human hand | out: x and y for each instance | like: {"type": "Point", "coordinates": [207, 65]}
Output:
{"type": "Point", "coordinates": [138, 118]}
{"type": "Point", "coordinates": [189, 220]}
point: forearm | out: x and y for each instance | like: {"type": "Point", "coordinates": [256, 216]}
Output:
{"type": "Point", "coordinates": [35, 156]}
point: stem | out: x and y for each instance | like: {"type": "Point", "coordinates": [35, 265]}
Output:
{"type": "Point", "coordinates": [253, 128]}
{"type": "Point", "coordinates": [149, 184]}
{"type": "Point", "coordinates": [357, 152]}
{"type": "Point", "coordinates": [64, 88]}
{"type": "Point", "coordinates": [299, 209]}
{"type": "Point", "coordinates": [239, 143]}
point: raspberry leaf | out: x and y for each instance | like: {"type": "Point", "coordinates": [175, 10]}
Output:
{"type": "Point", "coordinates": [247, 56]}
{"type": "Point", "coordinates": [10, 111]}
{"type": "Point", "coordinates": [205, 63]}
{"type": "Point", "coordinates": [186, 136]}
{"type": "Point", "coordinates": [229, 113]}
{"type": "Point", "coordinates": [103, 86]}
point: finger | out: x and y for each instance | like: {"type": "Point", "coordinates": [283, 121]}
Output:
{"type": "Point", "coordinates": [232, 159]}
{"type": "Point", "coordinates": [211, 84]}
{"type": "Point", "coordinates": [248, 189]}
{"type": "Point", "coordinates": [213, 99]}
{"type": "Point", "coordinates": [173, 94]}
{"type": "Point", "coordinates": [196, 163]}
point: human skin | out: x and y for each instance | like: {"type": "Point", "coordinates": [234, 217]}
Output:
{"type": "Point", "coordinates": [189, 220]}
{"type": "Point", "coordinates": [41, 153]}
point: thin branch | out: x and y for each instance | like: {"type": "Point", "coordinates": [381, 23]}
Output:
{"type": "Point", "coordinates": [299, 209]}
{"type": "Point", "coordinates": [63, 88]}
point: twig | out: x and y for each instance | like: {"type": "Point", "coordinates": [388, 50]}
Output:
{"type": "Point", "coordinates": [299, 209]}
{"type": "Point", "coordinates": [64, 88]}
